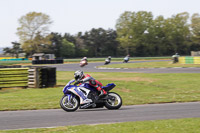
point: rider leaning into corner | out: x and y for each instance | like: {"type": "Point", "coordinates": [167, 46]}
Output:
{"type": "Point", "coordinates": [84, 58]}
{"type": "Point", "coordinates": [81, 78]}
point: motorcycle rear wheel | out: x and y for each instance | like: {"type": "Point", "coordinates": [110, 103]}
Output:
{"type": "Point", "coordinates": [115, 102]}
{"type": "Point", "coordinates": [69, 106]}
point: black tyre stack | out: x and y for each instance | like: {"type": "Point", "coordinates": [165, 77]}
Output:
{"type": "Point", "coordinates": [47, 77]}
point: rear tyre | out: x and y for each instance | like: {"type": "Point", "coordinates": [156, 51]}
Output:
{"type": "Point", "coordinates": [115, 102]}
{"type": "Point", "coordinates": [71, 105]}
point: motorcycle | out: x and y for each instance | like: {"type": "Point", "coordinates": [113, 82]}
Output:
{"type": "Point", "coordinates": [83, 63]}
{"type": "Point", "coordinates": [107, 61]}
{"type": "Point", "coordinates": [126, 59]}
{"type": "Point", "coordinates": [84, 97]}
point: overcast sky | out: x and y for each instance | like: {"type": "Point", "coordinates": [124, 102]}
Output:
{"type": "Point", "coordinates": [72, 16]}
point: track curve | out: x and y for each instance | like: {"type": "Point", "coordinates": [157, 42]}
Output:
{"type": "Point", "coordinates": [91, 67]}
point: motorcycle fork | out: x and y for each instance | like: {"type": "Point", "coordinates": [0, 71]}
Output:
{"type": "Point", "coordinates": [69, 98]}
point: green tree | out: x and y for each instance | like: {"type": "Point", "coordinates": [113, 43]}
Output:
{"type": "Point", "coordinates": [110, 46]}
{"type": "Point", "coordinates": [177, 34]}
{"type": "Point", "coordinates": [67, 49]}
{"type": "Point", "coordinates": [80, 46]}
{"type": "Point", "coordinates": [39, 44]}
{"type": "Point", "coordinates": [32, 25]}
{"type": "Point", "coordinates": [14, 51]}
{"type": "Point", "coordinates": [195, 26]}
{"type": "Point", "coordinates": [100, 42]}
{"type": "Point", "coordinates": [131, 28]}
{"type": "Point", "coordinates": [56, 42]}
{"type": "Point", "coordinates": [156, 36]}
{"type": "Point", "coordinates": [124, 26]}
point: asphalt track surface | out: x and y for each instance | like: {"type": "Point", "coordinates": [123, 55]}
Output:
{"type": "Point", "coordinates": [91, 67]}
{"type": "Point", "coordinates": [58, 117]}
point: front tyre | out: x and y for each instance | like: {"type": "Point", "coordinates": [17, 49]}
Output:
{"type": "Point", "coordinates": [69, 105]}
{"type": "Point", "coordinates": [114, 101]}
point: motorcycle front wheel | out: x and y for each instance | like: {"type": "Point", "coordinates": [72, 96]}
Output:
{"type": "Point", "coordinates": [71, 105]}
{"type": "Point", "coordinates": [114, 102]}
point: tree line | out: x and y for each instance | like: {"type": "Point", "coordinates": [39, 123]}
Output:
{"type": "Point", "coordinates": [137, 34]}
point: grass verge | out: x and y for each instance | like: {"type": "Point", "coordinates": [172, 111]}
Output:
{"type": "Point", "coordinates": [7, 63]}
{"type": "Point", "coordinates": [118, 59]}
{"type": "Point", "coordinates": [148, 65]}
{"type": "Point", "coordinates": [189, 125]}
{"type": "Point", "coordinates": [135, 88]}
{"type": "Point", "coordinates": [29, 62]}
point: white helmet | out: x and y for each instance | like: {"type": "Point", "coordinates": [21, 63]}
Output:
{"type": "Point", "coordinates": [78, 75]}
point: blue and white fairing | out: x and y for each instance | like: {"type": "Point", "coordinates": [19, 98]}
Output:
{"type": "Point", "coordinates": [77, 90]}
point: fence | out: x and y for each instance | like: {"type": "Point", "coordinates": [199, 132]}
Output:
{"type": "Point", "coordinates": [189, 60]}
{"type": "Point", "coordinates": [13, 77]}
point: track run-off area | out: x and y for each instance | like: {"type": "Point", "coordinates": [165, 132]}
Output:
{"type": "Point", "coordinates": [57, 117]}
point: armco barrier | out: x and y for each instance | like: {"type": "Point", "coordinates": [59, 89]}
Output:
{"type": "Point", "coordinates": [181, 60]}
{"type": "Point", "coordinates": [196, 60]}
{"type": "Point", "coordinates": [13, 77]}
{"type": "Point", "coordinates": [189, 60]}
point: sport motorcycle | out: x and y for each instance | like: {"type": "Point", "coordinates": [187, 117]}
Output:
{"type": "Point", "coordinates": [83, 63]}
{"type": "Point", "coordinates": [107, 61]}
{"type": "Point", "coordinates": [126, 59]}
{"type": "Point", "coordinates": [85, 96]}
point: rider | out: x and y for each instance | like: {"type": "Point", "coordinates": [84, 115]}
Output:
{"type": "Point", "coordinates": [127, 57]}
{"type": "Point", "coordinates": [81, 78]}
{"type": "Point", "coordinates": [175, 58]}
{"type": "Point", "coordinates": [109, 58]}
{"type": "Point", "coordinates": [84, 58]}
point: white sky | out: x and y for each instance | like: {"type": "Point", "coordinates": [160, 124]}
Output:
{"type": "Point", "coordinates": [72, 16]}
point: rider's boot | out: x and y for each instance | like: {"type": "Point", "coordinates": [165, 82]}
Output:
{"type": "Point", "coordinates": [102, 93]}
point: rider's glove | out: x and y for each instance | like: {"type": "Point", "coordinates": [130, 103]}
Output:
{"type": "Point", "coordinates": [78, 81]}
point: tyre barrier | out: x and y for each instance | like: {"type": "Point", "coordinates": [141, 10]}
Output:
{"type": "Point", "coordinates": [57, 61]}
{"type": "Point", "coordinates": [41, 77]}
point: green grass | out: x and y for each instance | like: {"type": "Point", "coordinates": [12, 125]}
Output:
{"type": "Point", "coordinates": [135, 88]}
{"type": "Point", "coordinates": [29, 62]}
{"type": "Point", "coordinates": [189, 125]}
{"type": "Point", "coordinates": [6, 63]}
{"type": "Point", "coordinates": [148, 65]}
{"type": "Point", "coordinates": [116, 59]}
